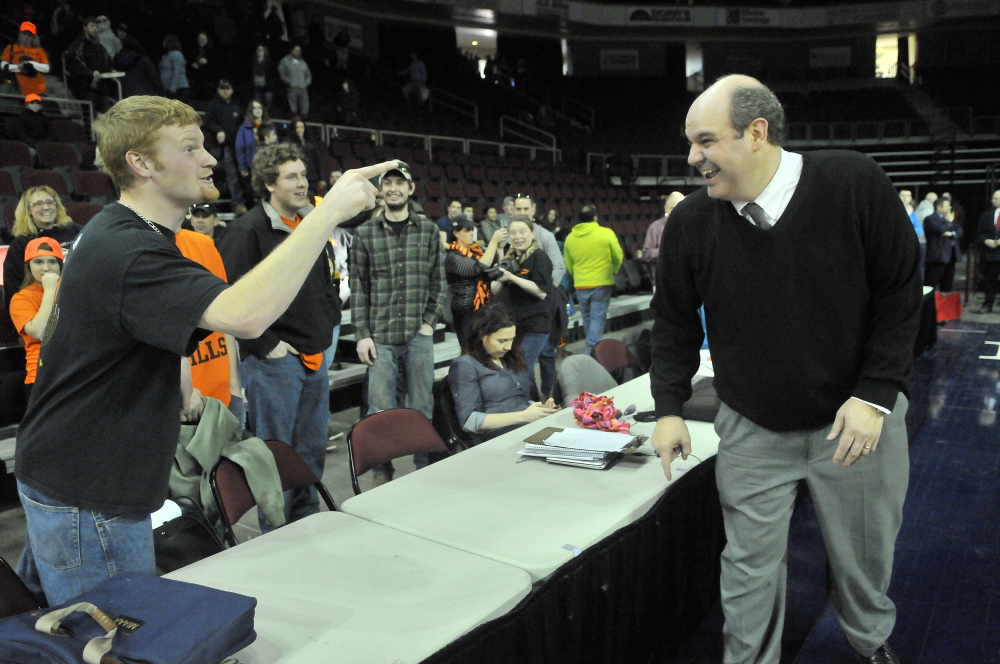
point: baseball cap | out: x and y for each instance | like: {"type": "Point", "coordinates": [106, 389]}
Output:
{"type": "Point", "coordinates": [34, 249]}
{"type": "Point", "coordinates": [202, 210]}
{"type": "Point", "coordinates": [28, 26]}
{"type": "Point", "coordinates": [462, 223]}
{"type": "Point", "coordinates": [32, 97]}
{"type": "Point", "coordinates": [402, 170]}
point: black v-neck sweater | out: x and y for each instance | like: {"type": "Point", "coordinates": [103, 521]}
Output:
{"type": "Point", "coordinates": [822, 307]}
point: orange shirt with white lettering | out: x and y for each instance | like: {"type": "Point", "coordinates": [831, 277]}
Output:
{"type": "Point", "coordinates": [210, 360]}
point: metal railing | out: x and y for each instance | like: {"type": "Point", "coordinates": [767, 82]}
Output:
{"type": "Point", "coordinates": [526, 132]}
{"type": "Point", "coordinates": [76, 110]}
{"type": "Point", "coordinates": [460, 105]}
{"type": "Point", "coordinates": [580, 112]}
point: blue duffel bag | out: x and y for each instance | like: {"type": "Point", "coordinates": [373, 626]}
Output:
{"type": "Point", "coordinates": [133, 618]}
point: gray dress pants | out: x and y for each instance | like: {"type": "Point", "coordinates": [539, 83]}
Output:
{"type": "Point", "coordinates": [860, 510]}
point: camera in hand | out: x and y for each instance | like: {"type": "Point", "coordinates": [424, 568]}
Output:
{"type": "Point", "coordinates": [510, 264]}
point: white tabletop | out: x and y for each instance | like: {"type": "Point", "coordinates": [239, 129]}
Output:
{"type": "Point", "coordinates": [334, 588]}
{"type": "Point", "coordinates": [533, 515]}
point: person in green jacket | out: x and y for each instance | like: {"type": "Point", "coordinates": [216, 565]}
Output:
{"type": "Point", "coordinates": [593, 256]}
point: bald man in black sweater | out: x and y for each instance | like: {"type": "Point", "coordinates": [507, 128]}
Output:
{"type": "Point", "coordinates": [809, 271]}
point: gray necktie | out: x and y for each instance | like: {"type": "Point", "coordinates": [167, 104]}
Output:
{"type": "Point", "coordinates": [758, 215]}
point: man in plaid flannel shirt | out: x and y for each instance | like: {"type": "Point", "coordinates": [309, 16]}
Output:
{"type": "Point", "coordinates": [398, 291]}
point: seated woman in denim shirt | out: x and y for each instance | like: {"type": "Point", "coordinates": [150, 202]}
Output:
{"type": "Point", "coordinates": [489, 383]}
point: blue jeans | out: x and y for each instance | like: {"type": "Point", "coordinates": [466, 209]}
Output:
{"type": "Point", "coordinates": [594, 312]}
{"type": "Point", "coordinates": [414, 361]}
{"type": "Point", "coordinates": [232, 174]}
{"type": "Point", "coordinates": [264, 96]}
{"type": "Point", "coordinates": [298, 101]}
{"type": "Point", "coordinates": [288, 402]}
{"type": "Point", "coordinates": [331, 352]}
{"type": "Point", "coordinates": [68, 550]}
{"type": "Point", "coordinates": [532, 345]}
{"type": "Point", "coordinates": [547, 364]}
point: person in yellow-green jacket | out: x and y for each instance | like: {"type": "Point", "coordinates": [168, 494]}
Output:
{"type": "Point", "coordinates": [593, 256]}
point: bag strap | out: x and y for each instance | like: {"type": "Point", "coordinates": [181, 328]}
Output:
{"type": "Point", "coordinates": [95, 652]}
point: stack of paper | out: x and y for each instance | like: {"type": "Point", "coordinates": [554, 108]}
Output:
{"type": "Point", "coordinates": [578, 447]}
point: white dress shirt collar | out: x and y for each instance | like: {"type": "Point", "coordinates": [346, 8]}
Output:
{"type": "Point", "coordinates": [778, 192]}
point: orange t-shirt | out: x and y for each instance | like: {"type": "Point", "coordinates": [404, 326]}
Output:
{"type": "Point", "coordinates": [314, 361]}
{"type": "Point", "coordinates": [210, 360]}
{"type": "Point", "coordinates": [24, 305]}
{"type": "Point", "coordinates": [15, 54]}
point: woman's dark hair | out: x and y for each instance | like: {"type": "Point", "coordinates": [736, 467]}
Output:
{"type": "Point", "coordinates": [485, 322]}
{"type": "Point", "coordinates": [29, 278]}
{"type": "Point", "coordinates": [264, 118]}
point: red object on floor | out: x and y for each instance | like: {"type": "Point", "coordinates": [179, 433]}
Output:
{"type": "Point", "coordinates": [949, 306]}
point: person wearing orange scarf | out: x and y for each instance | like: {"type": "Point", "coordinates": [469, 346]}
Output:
{"type": "Point", "coordinates": [466, 265]}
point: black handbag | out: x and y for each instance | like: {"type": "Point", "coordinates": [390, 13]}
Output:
{"type": "Point", "coordinates": [185, 539]}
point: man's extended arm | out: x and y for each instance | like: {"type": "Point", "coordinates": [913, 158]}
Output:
{"type": "Point", "coordinates": [249, 306]}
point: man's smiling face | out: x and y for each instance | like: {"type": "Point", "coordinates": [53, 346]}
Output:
{"type": "Point", "coordinates": [723, 160]}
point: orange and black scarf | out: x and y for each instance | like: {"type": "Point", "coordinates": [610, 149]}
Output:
{"type": "Point", "coordinates": [475, 252]}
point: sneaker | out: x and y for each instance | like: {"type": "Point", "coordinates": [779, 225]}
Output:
{"type": "Point", "coordinates": [380, 477]}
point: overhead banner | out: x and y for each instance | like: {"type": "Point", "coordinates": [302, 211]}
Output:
{"type": "Point", "coordinates": [673, 16]}
{"type": "Point", "coordinates": [332, 27]}
{"type": "Point", "coordinates": [748, 17]}
{"type": "Point", "coordinates": [619, 60]}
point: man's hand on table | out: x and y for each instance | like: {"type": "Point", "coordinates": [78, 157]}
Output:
{"type": "Point", "coordinates": [670, 439]}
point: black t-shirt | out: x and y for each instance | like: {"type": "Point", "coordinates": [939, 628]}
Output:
{"type": "Point", "coordinates": [103, 421]}
{"type": "Point", "coordinates": [532, 314]}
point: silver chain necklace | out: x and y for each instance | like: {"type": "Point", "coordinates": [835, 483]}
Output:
{"type": "Point", "coordinates": [151, 224]}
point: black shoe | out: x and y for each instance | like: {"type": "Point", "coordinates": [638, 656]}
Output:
{"type": "Point", "coordinates": [884, 655]}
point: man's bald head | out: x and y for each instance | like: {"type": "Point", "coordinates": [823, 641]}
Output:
{"type": "Point", "coordinates": [747, 99]}
{"type": "Point", "coordinates": [671, 202]}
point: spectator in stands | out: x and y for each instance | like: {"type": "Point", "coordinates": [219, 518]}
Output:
{"type": "Point", "coordinates": [142, 77]}
{"type": "Point", "coordinates": [102, 425]}
{"type": "Point", "coordinates": [109, 40]}
{"type": "Point", "coordinates": [29, 59]}
{"type": "Point", "coordinates": [295, 73]}
{"type": "Point", "coordinates": [489, 225]}
{"type": "Point", "coordinates": [489, 382]}
{"type": "Point", "coordinates": [203, 66]}
{"type": "Point", "coordinates": [128, 40]}
{"type": "Point", "coordinates": [416, 83]}
{"type": "Point", "coordinates": [926, 206]}
{"type": "Point", "coordinates": [205, 220]}
{"type": "Point", "coordinates": [651, 247]}
{"type": "Point", "coordinates": [524, 285]}
{"type": "Point", "coordinates": [593, 256]}
{"type": "Point", "coordinates": [525, 205]}
{"type": "Point", "coordinates": [348, 101]}
{"type": "Point", "coordinates": [267, 135]}
{"type": "Point", "coordinates": [223, 118]}
{"type": "Point", "coordinates": [39, 213]}
{"type": "Point", "coordinates": [445, 223]}
{"type": "Point", "coordinates": [246, 146]}
{"type": "Point", "coordinates": [398, 292]}
{"type": "Point", "coordinates": [31, 306]}
{"type": "Point", "coordinates": [64, 24]}
{"type": "Point", "coordinates": [86, 60]}
{"type": "Point", "coordinates": [341, 46]}
{"type": "Point", "coordinates": [33, 127]}
{"type": "Point", "coordinates": [989, 238]}
{"type": "Point", "coordinates": [172, 69]}
{"type": "Point", "coordinates": [264, 77]}
{"type": "Point", "coordinates": [287, 388]}
{"type": "Point", "coordinates": [832, 390]}
{"type": "Point", "coordinates": [906, 196]}
{"type": "Point", "coordinates": [215, 370]}
{"type": "Point", "coordinates": [943, 235]}
{"type": "Point", "coordinates": [466, 265]}
{"type": "Point", "coordinates": [310, 152]}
